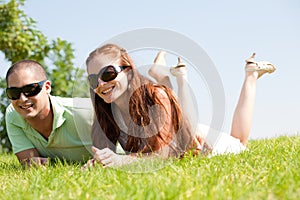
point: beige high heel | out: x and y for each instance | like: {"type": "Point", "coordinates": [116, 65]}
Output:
{"type": "Point", "coordinates": [179, 69]}
{"type": "Point", "coordinates": [160, 70]}
{"type": "Point", "coordinates": [261, 67]}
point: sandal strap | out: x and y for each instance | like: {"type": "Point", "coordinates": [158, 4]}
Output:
{"type": "Point", "coordinates": [261, 66]}
{"type": "Point", "coordinates": [176, 71]}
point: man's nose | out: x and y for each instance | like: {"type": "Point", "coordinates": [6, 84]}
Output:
{"type": "Point", "coordinates": [23, 97]}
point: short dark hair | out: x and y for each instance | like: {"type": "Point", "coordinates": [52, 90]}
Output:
{"type": "Point", "coordinates": [30, 64]}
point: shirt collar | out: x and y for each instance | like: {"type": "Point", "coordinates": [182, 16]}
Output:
{"type": "Point", "coordinates": [58, 112]}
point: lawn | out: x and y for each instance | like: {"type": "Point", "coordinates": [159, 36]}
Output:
{"type": "Point", "coordinates": [269, 169]}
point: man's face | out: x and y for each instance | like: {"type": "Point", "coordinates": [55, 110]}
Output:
{"type": "Point", "coordinates": [30, 107]}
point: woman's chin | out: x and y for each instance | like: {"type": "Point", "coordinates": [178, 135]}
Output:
{"type": "Point", "coordinates": [108, 98]}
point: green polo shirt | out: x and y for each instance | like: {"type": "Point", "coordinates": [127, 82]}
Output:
{"type": "Point", "coordinates": [70, 138]}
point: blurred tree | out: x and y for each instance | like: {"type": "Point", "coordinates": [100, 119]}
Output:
{"type": "Point", "coordinates": [19, 39]}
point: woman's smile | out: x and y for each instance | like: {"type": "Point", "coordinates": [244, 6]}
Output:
{"type": "Point", "coordinates": [108, 90]}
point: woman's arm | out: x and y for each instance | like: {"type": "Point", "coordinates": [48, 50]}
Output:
{"type": "Point", "coordinates": [160, 131]}
{"type": "Point", "coordinates": [108, 158]}
{"type": "Point", "coordinates": [99, 138]}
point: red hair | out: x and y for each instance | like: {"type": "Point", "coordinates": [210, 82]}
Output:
{"type": "Point", "coordinates": [146, 135]}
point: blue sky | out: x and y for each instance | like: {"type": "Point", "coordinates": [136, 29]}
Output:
{"type": "Point", "coordinates": [228, 31]}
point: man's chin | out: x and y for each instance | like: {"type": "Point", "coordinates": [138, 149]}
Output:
{"type": "Point", "coordinates": [28, 115]}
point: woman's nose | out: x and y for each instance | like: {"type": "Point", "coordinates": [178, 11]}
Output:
{"type": "Point", "coordinates": [101, 82]}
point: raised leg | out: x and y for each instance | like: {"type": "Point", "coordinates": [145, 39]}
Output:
{"type": "Point", "coordinates": [242, 118]}
{"type": "Point", "coordinates": [160, 72]}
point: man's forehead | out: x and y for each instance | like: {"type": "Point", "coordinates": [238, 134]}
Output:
{"type": "Point", "coordinates": [26, 71]}
{"type": "Point", "coordinates": [24, 74]}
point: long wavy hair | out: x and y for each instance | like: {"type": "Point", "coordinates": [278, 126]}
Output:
{"type": "Point", "coordinates": [145, 134]}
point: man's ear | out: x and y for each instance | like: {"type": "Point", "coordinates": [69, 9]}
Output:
{"type": "Point", "coordinates": [48, 86]}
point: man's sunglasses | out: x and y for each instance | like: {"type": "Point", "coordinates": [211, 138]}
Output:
{"type": "Point", "coordinates": [106, 74]}
{"type": "Point", "coordinates": [29, 90]}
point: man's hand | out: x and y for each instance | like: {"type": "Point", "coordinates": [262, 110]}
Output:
{"type": "Point", "coordinates": [38, 161]}
{"type": "Point", "coordinates": [31, 157]}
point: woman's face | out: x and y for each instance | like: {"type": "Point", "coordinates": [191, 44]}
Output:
{"type": "Point", "coordinates": [109, 91]}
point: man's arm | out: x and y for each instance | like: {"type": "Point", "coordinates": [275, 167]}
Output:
{"type": "Point", "coordinates": [31, 157]}
{"type": "Point", "coordinates": [27, 154]}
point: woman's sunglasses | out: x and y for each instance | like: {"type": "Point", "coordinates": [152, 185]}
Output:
{"type": "Point", "coordinates": [106, 74]}
{"type": "Point", "coordinates": [29, 90]}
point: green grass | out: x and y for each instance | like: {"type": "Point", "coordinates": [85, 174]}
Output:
{"type": "Point", "coordinates": [269, 169]}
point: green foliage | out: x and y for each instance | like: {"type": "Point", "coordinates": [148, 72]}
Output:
{"type": "Point", "coordinates": [269, 169]}
{"type": "Point", "coordinates": [20, 39]}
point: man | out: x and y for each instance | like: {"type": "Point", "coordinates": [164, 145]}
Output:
{"type": "Point", "coordinates": [41, 126]}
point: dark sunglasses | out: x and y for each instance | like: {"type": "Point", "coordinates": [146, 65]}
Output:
{"type": "Point", "coordinates": [29, 90]}
{"type": "Point", "coordinates": [106, 74]}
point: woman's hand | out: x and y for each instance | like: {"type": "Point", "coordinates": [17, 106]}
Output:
{"type": "Point", "coordinates": [108, 158]}
{"type": "Point", "coordinates": [198, 140]}
{"type": "Point", "coordinates": [89, 164]}
{"type": "Point", "coordinates": [200, 145]}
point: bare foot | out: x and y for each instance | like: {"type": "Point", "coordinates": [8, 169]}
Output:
{"type": "Point", "coordinates": [159, 70]}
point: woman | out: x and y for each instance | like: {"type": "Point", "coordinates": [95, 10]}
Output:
{"type": "Point", "coordinates": [145, 117]}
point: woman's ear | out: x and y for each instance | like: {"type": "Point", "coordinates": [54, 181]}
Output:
{"type": "Point", "coordinates": [129, 75]}
{"type": "Point", "coordinates": [48, 86]}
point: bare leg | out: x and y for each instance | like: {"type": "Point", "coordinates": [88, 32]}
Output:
{"type": "Point", "coordinates": [242, 118]}
{"type": "Point", "coordinates": [185, 94]}
{"type": "Point", "coordinates": [160, 72]}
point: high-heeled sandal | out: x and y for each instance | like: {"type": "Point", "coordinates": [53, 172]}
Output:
{"type": "Point", "coordinates": [159, 70]}
{"type": "Point", "coordinates": [179, 69]}
{"type": "Point", "coordinates": [261, 67]}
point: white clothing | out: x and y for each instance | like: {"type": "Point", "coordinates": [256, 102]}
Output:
{"type": "Point", "coordinates": [221, 142]}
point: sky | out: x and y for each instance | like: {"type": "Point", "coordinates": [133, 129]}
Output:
{"type": "Point", "coordinates": [227, 31]}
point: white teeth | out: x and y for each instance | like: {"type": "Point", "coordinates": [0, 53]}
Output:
{"type": "Point", "coordinates": [107, 91]}
{"type": "Point", "coordinates": [26, 106]}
